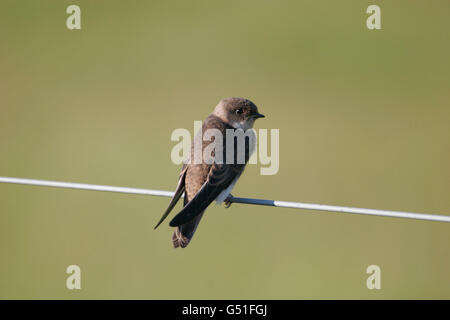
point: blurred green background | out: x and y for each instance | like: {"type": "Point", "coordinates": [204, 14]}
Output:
{"type": "Point", "coordinates": [363, 118]}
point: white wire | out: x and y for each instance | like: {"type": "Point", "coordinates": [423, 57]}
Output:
{"type": "Point", "coordinates": [83, 186]}
{"type": "Point", "coordinates": [263, 202]}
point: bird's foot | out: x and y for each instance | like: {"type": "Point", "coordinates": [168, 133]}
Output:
{"type": "Point", "coordinates": [228, 201]}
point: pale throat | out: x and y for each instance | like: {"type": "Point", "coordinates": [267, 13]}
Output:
{"type": "Point", "coordinates": [244, 125]}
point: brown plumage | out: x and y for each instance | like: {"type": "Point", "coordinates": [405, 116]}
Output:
{"type": "Point", "coordinates": [209, 180]}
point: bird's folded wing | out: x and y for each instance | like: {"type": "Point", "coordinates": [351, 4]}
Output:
{"type": "Point", "coordinates": [219, 178]}
{"type": "Point", "coordinates": [178, 192]}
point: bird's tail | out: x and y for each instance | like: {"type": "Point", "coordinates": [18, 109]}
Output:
{"type": "Point", "coordinates": [184, 233]}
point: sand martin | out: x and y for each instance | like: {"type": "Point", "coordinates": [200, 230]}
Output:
{"type": "Point", "coordinates": [208, 180]}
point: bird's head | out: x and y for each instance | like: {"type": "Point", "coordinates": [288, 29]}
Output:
{"type": "Point", "coordinates": [237, 112]}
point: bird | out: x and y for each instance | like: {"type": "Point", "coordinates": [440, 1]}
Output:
{"type": "Point", "coordinates": [212, 178]}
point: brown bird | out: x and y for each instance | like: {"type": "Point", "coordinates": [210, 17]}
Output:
{"type": "Point", "coordinates": [216, 174]}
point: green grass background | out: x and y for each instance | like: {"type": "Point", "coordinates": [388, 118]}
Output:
{"type": "Point", "coordinates": [363, 118]}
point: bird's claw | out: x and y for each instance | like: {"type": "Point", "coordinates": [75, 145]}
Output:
{"type": "Point", "coordinates": [228, 201]}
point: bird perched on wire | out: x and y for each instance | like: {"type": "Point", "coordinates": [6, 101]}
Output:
{"type": "Point", "coordinates": [213, 177]}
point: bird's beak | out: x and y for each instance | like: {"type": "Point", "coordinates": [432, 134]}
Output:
{"type": "Point", "coordinates": [258, 115]}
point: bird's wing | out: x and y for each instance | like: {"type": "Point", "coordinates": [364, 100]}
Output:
{"type": "Point", "coordinates": [178, 192]}
{"type": "Point", "coordinates": [219, 178]}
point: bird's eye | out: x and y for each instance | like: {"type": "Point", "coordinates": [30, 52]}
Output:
{"type": "Point", "coordinates": [239, 111]}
